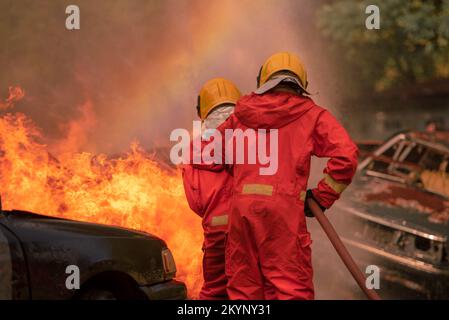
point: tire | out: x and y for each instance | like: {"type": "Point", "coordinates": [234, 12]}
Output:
{"type": "Point", "coordinates": [97, 294]}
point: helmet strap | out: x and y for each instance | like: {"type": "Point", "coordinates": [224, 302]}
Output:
{"type": "Point", "coordinates": [258, 77]}
{"type": "Point", "coordinates": [198, 109]}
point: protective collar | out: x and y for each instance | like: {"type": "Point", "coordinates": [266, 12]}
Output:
{"type": "Point", "coordinates": [270, 84]}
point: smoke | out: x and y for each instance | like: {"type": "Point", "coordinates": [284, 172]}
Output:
{"type": "Point", "coordinates": [141, 63]}
{"type": "Point", "coordinates": [15, 94]}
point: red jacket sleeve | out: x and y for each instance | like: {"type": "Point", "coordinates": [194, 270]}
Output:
{"type": "Point", "coordinates": [331, 140]}
{"type": "Point", "coordinates": [190, 178]}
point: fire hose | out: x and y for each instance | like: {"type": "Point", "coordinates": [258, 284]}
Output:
{"type": "Point", "coordinates": [341, 249]}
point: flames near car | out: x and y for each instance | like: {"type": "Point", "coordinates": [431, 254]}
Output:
{"type": "Point", "coordinates": [137, 189]}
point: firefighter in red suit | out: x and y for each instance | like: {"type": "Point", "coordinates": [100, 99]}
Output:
{"type": "Point", "coordinates": [268, 253]}
{"type": "Point", "coordinates": [209, 193]}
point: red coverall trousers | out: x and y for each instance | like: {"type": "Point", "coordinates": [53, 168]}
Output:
{"type": "Point", "coordinates": [209, 195]}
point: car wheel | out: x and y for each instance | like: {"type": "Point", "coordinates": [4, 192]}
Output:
{"type": "Point", "coordinates": [97, 294]}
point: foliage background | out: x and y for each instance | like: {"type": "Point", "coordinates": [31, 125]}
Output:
{"type": "Point", "coordinates": [412, 45]}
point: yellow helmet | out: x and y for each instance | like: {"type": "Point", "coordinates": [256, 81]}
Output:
{"type": "Point", "coordinates": [214, 93]}
{"type": "Point", "coordinates": [283, 61]}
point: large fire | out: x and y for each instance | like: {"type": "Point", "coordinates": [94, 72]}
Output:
{"type": "Point", "coordinates": [133, 190]}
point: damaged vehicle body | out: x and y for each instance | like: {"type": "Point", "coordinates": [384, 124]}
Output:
{"type": "Point", "coordinates": [395, 214]}
{"type": "Point", "coordinates": [114, 263]}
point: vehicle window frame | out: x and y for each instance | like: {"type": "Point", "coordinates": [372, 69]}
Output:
{"type": "Point", "coordinates": [378, 152]}
{"type": "Point", "coordinates": [405, 146]}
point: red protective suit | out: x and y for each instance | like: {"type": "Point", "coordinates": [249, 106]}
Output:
{"type": "Point", "coordinates": [268, 253]}
{"type": "Point", "coordinates": [209, 195]}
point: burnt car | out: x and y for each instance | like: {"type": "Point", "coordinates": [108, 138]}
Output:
{"type": "Point", "coordinates": [393, 217]}
{"type": "Point", "coordinates": [40, 255]}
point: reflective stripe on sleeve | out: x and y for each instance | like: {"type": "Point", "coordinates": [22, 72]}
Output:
{"type": "Point", "coordinates": [336, 186]}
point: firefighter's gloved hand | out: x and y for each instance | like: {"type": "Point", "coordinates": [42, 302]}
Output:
{"type": "Point", "coordinates": [307, 211]}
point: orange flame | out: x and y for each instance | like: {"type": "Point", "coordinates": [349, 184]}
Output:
{"type": "Point", "coordinates": [132, 191]}
{"type": "Point", "coordinates": [15, 94]}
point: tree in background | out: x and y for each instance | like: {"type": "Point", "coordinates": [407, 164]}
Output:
{"type": "Point", "coordinates": [411, 46]}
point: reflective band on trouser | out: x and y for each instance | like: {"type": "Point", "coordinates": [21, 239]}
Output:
{"type": "Point", "coordinates": [336, 186]}
{"type": "Point", "coordinates": [262, 189]}
{"type": "Point", "coordinates": [219, 220]}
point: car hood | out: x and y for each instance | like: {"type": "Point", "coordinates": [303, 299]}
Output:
{"type": "Point", "coordinates": [51, 244]}
{"type": "Point", "coordinates": [397, 204]}
{"type": "Point", "coordinates": [70, 227]}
